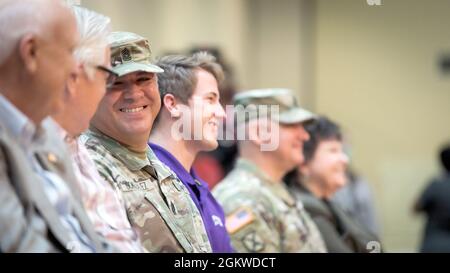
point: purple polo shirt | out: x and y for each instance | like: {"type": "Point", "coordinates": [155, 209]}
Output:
{"type": "Point", "coordinates": [212, 213]}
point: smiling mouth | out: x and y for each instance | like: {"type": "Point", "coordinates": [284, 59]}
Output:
{"type": "Point", "coordinates": [132, 110]}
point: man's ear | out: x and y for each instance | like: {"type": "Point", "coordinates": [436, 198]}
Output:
{"type": "Point", "coordinates": [171, 105]}
{"type": "Point", "coordinates": [73, 80]}
{"type": "Point", "coordinates": [253, 132]}
{"type": "Point", "coordinates": [28, 51]}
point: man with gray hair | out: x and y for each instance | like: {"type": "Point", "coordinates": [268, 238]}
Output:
{"type": "Point", "coordinates": [85, 89]}
{"type": "Point", "coordinates": [39, 213]}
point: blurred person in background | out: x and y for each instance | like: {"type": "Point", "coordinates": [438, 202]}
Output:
{"type": "Point", "coordinates": [435, 204]}
{"type": "Point", "coordinates": [356, 199]}
{"type": "Point", "coordinates": [316, 180]}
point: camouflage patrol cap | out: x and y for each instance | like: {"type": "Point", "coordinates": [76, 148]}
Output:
{"type": "Point", "coordinates": [130, 53]}
{"type": "Point", "coordinates": [289, 110]}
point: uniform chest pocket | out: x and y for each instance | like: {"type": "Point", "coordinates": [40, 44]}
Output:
{"type": "Point", "coordinates": [170, 219]}
{"type": "Point", "coordinates": [177, 198]}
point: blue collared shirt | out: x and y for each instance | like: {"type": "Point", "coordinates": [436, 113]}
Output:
{"type": "Point", "coordinates": [28, 136]}
{"type": "Point", "coordinates": [212, 213]}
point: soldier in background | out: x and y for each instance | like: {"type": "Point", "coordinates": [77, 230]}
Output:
{"type": "Point", "coordinates": [262, 216]}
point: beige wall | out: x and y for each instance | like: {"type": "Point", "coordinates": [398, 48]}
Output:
{"type": "Point", "coordinates": [177, 25]}
{"type": "Point", "coordinates": [281, 53]}
{"type": "Point", "coordinates": [261, 38]}
{"type": "Point", "coordinates": [377, 74]}
{"type": "Point", "coordinates": [373, 69]}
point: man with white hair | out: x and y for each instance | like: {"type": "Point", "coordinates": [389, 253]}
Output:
{"type": "Point", "coordinates": [39, 212]}
{"type": "Point", "coordinates": [85, 89]}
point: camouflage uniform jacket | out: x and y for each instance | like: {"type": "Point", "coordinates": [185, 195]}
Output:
{"type": "Point", "coordinates": [158, 205]}
{"type": "Point", "coordinates": [262, 216]}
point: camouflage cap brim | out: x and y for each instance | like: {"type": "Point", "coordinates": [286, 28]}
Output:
{"type": "Point", "coordinates": [296, 115]}
{"type": "Point", "coordinates": [292, 116]}
{"type": "Point", "coordinates": [131, 67]}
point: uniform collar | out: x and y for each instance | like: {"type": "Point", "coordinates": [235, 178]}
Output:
{"type": "Point", "coordinates": [129, 158]}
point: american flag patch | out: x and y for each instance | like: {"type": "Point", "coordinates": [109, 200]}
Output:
{"type": "Point", "coordinates": [239, 219]}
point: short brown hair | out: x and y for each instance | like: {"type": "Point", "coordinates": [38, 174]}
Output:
{"type": "Point", "coordinates": [179, 77]}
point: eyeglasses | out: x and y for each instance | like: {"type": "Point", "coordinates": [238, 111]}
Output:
{"type": "Point", "coordinates": [112, 76]}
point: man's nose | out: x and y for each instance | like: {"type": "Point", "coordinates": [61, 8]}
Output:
{"type": "Point", "coordinates": [303, 133]}
{"type": "Point", "coordinates": [220, 112]}
{"type": "Point", "coordinates": [344, 158]}
{"type": "Point", "coordinates": [132, 91]}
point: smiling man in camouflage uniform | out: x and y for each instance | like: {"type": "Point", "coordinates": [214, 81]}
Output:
{"type": "Point", "coordinates": [158, 205]}
{"type": "Point", "coordinates": [262, 216]}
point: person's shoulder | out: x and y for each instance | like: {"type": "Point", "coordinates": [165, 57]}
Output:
{"type": "Point", "coordinates": [244, 193]}
{"type": "Point", "coordinates": [108, 166]}
{"type": "Point", "coordinates": [87, 137]}
{"type": "Point", "coordinates": [94, 145]}
{"type": "Point", "coordinates": [441, 181]}
{"type": "Point", "coordinates": [237, 182]}
{"type": "Point", "coordinates": [90, 140]}
{"type": "Point", "coordinates": [313, 205]}
{"type": "Point", "coordinates": [51, 146]}
{"type": "Point", "coordinates": [52, 135]}
{"type": "Point", "coordinates": [436, 187]}
{"type": "Point", "coordinates": [439, 188]}
{"type": "Point", "coordinates": [50, 124]}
